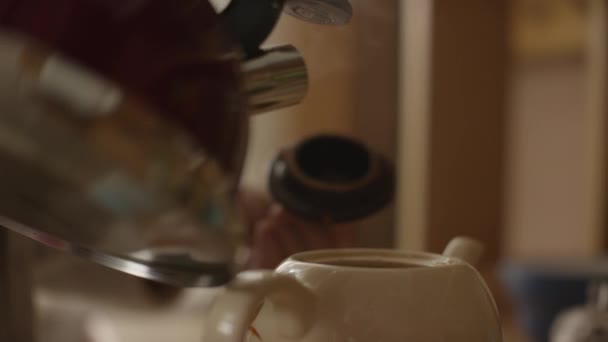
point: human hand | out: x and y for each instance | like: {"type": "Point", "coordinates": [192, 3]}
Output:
{"type": "Point", "coordinates": [276, 233]}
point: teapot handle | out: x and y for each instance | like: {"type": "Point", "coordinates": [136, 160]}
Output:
{"type": "Point", "coordinates": [251, 21]}
{"type": "Point", "coordinates": [233, 311]}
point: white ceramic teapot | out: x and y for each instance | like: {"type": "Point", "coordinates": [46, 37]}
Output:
{"type": "Point", "coordinates": [360, 295]}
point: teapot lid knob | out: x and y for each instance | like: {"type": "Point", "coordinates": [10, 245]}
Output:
{"type": "Point", "coordinates": [464, 248]}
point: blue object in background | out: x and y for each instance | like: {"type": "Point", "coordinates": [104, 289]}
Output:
{"type": "Point", "coordinates": [540, 292]}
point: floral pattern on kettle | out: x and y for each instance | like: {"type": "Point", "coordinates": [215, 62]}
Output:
{"type": "Point", "coordinates": [253, 333]}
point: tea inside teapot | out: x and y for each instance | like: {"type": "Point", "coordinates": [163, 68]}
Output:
{"type": "Point", "coordinates": [368, 264]}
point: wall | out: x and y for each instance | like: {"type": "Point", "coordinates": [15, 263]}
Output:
{"type": "Point", "coordinates": [556, 133]}
{"type": "Point", "coordinates": [548, 196]}
{"type": "Point", "coordinates": [353, 91]}
{"type": "Point", "coordinates": [330, 56]}
{"type": "Point", "coordinates": [454, 133]}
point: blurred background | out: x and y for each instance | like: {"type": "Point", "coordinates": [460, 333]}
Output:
{"type": "Point", "coordinates": [494, 113]}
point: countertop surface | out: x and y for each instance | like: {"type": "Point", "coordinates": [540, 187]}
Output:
{"type": "Point", "coordinates": [126, 303]}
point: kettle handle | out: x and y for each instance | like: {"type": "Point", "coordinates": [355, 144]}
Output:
{"type": "Point", "coordinates": [251, 22]}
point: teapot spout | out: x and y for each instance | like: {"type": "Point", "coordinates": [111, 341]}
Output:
{"type": "Point", "coordinates": [276, 79]}
{"type": "Point", "coordinates": [464, 248]}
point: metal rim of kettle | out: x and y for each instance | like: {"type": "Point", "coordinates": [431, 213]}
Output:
{"type": "Point", "coordinates": [204, 275]}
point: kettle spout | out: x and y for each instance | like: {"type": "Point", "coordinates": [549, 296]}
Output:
{"type": "Point", "coordinates": [276, 79]}
{"type": "Point", "coordinates": [464, 248]}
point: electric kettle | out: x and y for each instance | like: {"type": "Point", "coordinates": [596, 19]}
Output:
{"type": "Point", "coordinates": [124, 124]}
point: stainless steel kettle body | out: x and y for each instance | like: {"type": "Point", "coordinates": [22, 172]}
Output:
{"type": "Point", "coordinates": [123, 128]}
